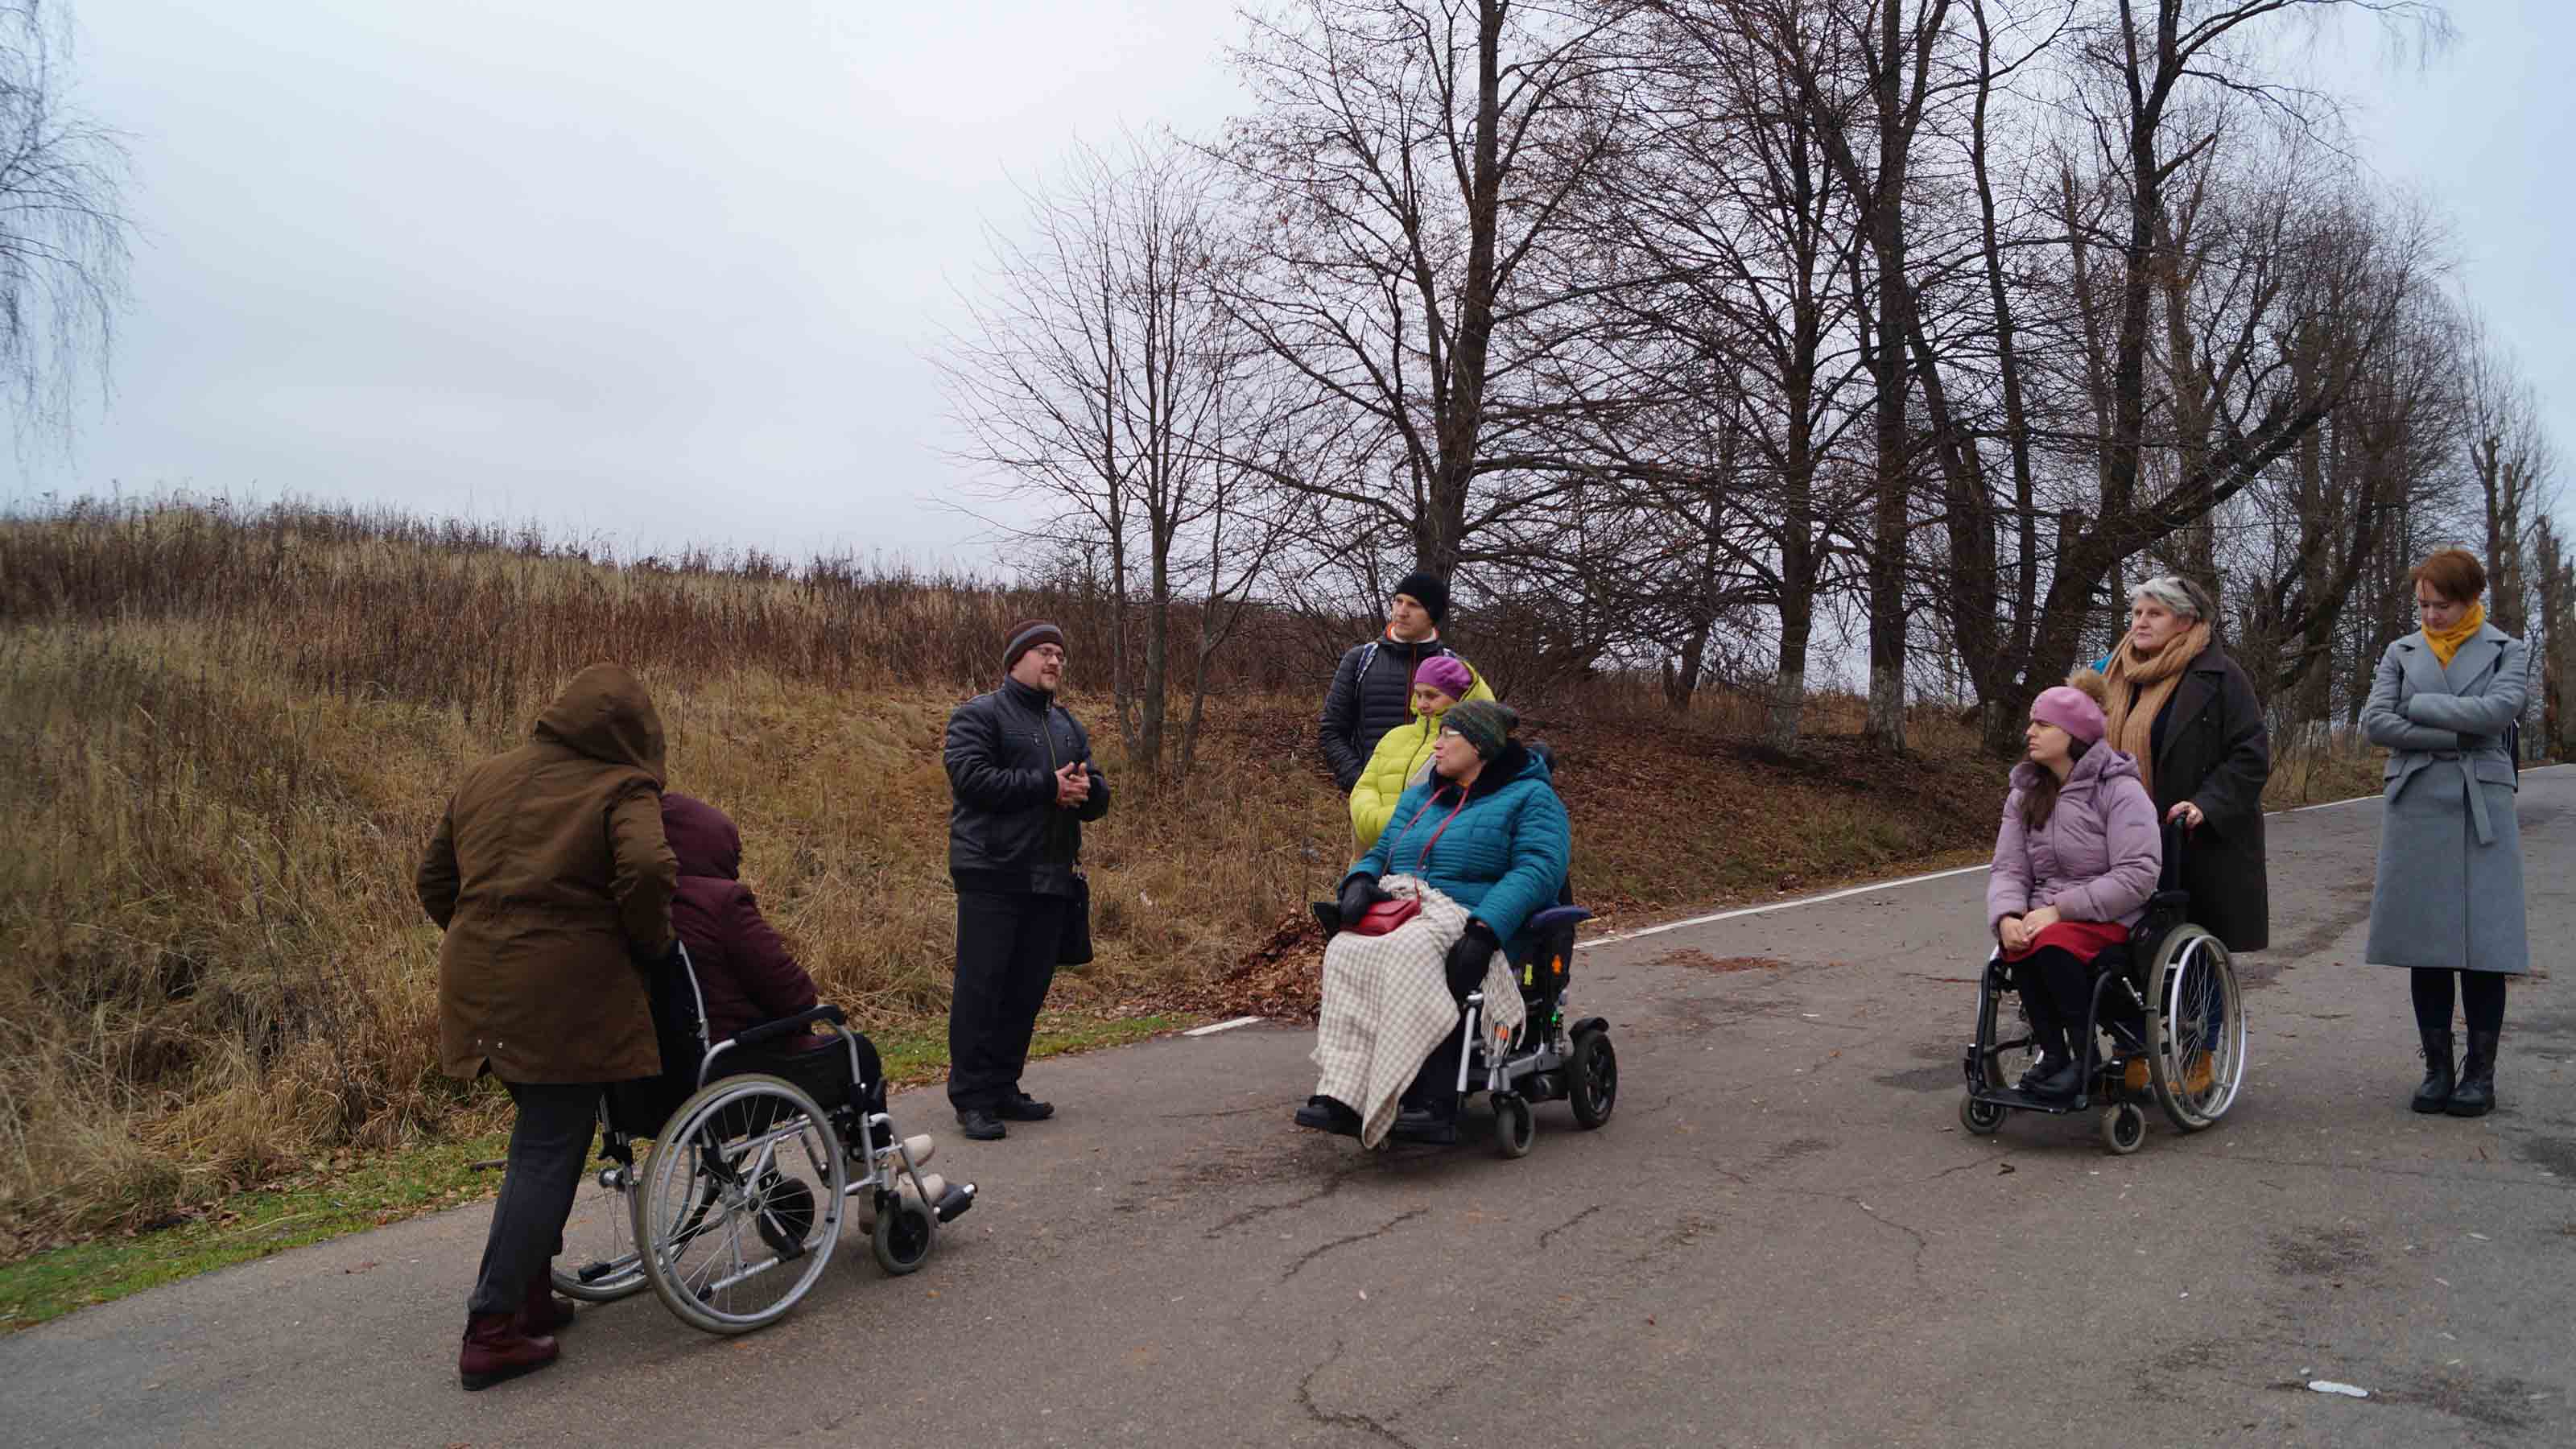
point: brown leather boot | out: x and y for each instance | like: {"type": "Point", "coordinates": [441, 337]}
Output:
{"type": "Point", "coordinates": [495, 1350]}
{"type": "Point", "coordinates": [544, 1313]}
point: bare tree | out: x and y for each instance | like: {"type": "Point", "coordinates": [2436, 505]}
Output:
{"type": "Point", "coordinates": [2510, 460]}
{"type": "Point", "coordinates": [64, 235]}
{"type": "Point", "coordinates": [1105, 374]}
{"type": "Point", "coordinates": [1406, 173]}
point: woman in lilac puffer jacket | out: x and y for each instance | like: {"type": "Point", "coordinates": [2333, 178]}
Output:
{"type": "Point", "coordinates": [2075, 861]}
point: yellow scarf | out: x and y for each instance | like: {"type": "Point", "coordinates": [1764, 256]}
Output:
{"type": "Point", "coordinates": [2446, 642]}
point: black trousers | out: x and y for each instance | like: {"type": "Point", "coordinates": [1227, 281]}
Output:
{"type": "Point", "coordinates": [1435, 1086]}
{"type": "Point", "coordinates": [2056, 989]}
{"type": "Point", "coordinates": [1006, 949]}
{"type": "Point", "coordinates": [2481, 997]}
{"type": "Point", "coordinates": [549, 1139]}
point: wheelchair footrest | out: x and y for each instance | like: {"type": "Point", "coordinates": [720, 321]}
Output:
{"type": "Point", "coordinates": [2021, 1101]}
{"type": "Point", "coordinates": [953, 1203]}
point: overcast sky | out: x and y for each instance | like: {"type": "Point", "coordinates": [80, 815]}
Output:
{"type": "Point", "coordinates": [670, 273]}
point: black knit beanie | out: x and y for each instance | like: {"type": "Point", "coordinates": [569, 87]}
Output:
{"type": "Point", "coordinates": [1027, 635]}
{"type": "Point", "coordinates": [1428, 590]}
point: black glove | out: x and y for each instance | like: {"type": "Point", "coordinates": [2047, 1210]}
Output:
{"type": "Point", "coordinates": [1358, 894]}
{"type": "Point", "coordinates": [1469, 958]}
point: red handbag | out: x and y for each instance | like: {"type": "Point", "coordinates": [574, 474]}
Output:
{"type": "Point", "coordinates": [1385, 916]}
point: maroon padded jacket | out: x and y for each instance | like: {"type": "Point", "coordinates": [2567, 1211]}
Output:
{"type": "Point", "coordinates": [745, 972]}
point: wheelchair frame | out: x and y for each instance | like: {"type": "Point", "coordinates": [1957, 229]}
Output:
{"type": "Point", "coordinates": [1575, 1062]}
{"type": "Point", "coordinates": [732, 1175]}
{"type": "Point", "coordinates": [2179, 962]}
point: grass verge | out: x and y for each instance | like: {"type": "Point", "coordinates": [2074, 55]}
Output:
{"type": "Point", "coordinates": [354, 1193]}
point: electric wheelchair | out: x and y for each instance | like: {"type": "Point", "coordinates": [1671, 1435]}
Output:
{"type": "Point", "coordinates": [2170, 1003]}
{"type": "Point", "coordinates": [732, 1209]}
{"type": "Point", "coordinates": [1549, 1059]}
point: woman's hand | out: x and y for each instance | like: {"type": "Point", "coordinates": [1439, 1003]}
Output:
{"type": "Point", "coordinates": [1358, 894]}
{"type": "Point", "coordinates": [1469, 957]}
{"type": "Point", "coordinates": [2011, 934]}
{"type": "Point", "coordinates": [2038, 921]}
{"type": "Point", "coordinates": [2186, 812]}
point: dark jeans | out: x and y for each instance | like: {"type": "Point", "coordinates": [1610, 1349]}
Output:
{"type": "Point", "coordinates": [2481, 996]}
{"type": "Point", "coordinates": [548, 1142]}
{"type": "Point", "coordinates": [1006, 949]}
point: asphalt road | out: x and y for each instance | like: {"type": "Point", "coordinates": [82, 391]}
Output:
{"type": "Point", "coordinates": [1781, 1238]}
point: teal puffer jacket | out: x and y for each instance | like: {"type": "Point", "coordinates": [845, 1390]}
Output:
{"type": "Point", "coordinates": [1503, 856]}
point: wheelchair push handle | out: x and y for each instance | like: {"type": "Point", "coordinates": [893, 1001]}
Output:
{"type": "Point", "coordinates": [2177, 840]}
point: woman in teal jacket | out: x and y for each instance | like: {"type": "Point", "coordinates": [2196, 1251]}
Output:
{"type": "Point", "coordinates": [1487, 830]}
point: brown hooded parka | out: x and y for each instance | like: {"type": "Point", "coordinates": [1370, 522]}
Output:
{"type": "Point", "coordinates": [551, 877]}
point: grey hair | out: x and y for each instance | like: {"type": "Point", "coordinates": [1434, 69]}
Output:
{"type": "Point", "coordinates": [2174, 592]}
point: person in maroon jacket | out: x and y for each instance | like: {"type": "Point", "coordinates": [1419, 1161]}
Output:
{"type": "Point", "coordinates": [746, 974]}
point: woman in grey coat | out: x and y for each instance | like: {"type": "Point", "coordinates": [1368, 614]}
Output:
{"type": "Point", "coordinates": [2449, 897]}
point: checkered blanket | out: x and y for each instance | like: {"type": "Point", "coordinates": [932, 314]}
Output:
{"type": "Point", "coordinates": [1387, 1005]}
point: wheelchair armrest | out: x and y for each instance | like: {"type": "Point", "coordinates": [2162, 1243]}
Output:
{"type": "Point", "coordinates": [769, 1031]}
{"type": "Point", "coordinates": [1552, 918]}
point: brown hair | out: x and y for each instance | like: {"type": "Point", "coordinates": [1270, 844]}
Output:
{"type": "Point", "coordinates": [2040, 800]}
{"type": "Point", "coordinates": [2454, 573]}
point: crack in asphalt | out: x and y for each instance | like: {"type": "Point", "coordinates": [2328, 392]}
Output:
{"type": "Point", "coordinates": [1922, 1244]}
{"type": "Point", "coordinates": [1330, 1419]}
{"type": "Point", "coordinates": [1381, 1230]}
{"type": "Point", "coordinates": [1333, 1184]}
{"type": "Point", "coordinates": [1569, 1222]}
{"type": "Point", "coordinates": [1226, 1112]}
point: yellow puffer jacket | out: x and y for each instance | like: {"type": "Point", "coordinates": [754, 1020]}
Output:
{"type": "Point", "coordinates": [1401, 756]}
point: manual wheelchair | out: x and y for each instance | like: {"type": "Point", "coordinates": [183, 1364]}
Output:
{"type": "Point", "coordinates": [732, 1210]}
{"type": "Point", "coordinates": [2170, 1003]}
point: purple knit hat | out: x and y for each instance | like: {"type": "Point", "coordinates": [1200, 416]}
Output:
{"type": "Point", "coordinates": [1447, 673]}
{"type": "Point", "coordinates": [2071, 710]}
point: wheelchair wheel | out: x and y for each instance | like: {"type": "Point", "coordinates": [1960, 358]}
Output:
{"type": "Point", "coordinates": [1592, 1079]}
{"type": "Point", "coordinates": [599, 1263]}
{"type": "Point", "coordinates": [905, 1235]}
{"type": "Point", "coordinates": [739, 1207]}
{"type": "Point", "coordinates": [2195, 1028]}
{"type": "Point", "coordinates": [2124, 1128]}
{"type": "Point", "coordinates": [1515, 1126]}
{"type": "Point", "coordinates": [1983, 1118]}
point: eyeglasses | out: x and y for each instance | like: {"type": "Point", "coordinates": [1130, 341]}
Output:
{"type": "Point", "coordinates": [1447, 733]}
{"type": "Point", "coordinates": [1049, 653]}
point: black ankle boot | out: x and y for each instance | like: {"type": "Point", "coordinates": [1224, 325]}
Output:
{"type": "Point", "coordinates": [2475, 1095]}
{"type": "Point", "coordinates": [2435, 1094]}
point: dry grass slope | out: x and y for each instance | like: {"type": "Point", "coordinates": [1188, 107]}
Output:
{"type": "Point", "coordinates": [223, 737]}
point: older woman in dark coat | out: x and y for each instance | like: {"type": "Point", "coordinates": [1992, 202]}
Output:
{"type": "Point", "coordinates": [2187, 713]}
{"type": "Point", "coordinates": [550, 875]}
{"type": "Point", "coordinates": [2449, 899]}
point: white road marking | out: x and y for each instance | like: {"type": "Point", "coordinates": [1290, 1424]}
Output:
{"type": "Point", "coordinates": [1213, 1028]}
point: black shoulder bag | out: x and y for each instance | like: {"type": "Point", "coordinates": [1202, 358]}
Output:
{"type": "Point", "coordinates": [1073, 944]}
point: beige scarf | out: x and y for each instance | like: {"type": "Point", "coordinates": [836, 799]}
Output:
{"type": "Point", "coordinates": [2130, 727]}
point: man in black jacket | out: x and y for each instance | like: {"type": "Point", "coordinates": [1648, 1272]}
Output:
{"type": "Point", "coordinates": [1022, 782]}
{"type": "Point", "coordinates": [1374, 682]}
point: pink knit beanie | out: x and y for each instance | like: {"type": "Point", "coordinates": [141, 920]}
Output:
{"type": "Point", "coordinates": [1447, 673]}
{"type": "Point", "coordinates": [2071, 710]}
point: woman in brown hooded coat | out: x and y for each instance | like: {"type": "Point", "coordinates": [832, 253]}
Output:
{"type": "Point", "coordinates": [550, 875]}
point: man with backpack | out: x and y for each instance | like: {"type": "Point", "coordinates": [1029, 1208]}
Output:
{"type": "Point", "coordinates": [1373, 685]}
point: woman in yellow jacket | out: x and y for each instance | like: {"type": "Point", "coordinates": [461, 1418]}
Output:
{"type": "Point", "coordinates": [1404, 752]}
